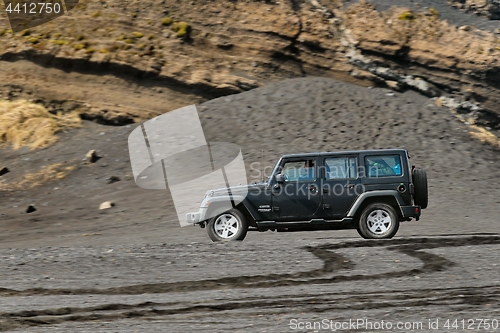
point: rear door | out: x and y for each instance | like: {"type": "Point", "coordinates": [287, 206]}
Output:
{"type": "Point", "coordinates": [340, 185]}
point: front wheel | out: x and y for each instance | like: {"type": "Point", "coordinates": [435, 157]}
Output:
{"type": "Point", "coordinates": [378, 221]}
{"type": "Point", "coordinates": [228, 226]}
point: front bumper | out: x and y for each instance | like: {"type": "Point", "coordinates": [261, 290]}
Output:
{"type": "Point", "coordinates": [196, 217]}
{"type": "Point", "coordinates": [411, 211]}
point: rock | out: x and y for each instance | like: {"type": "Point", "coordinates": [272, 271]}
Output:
{"type": "Point", "coordinates": [394, 85]}
{"type": "Point", "coordinates": [106, 205]}
{"type": "Point", "coordinates": [4, 170]}
{"type": "Point", "coordinates": [113, 179]}
{"type": "Point", "coordinates": [92, 157]}
{"type": "Point", "coordinates": [30, 209]}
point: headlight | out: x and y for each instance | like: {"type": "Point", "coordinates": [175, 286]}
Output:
{"type": "Point", "coordinates": [209, 194]}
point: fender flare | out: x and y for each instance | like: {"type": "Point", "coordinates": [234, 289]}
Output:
{"type": "Point", "coordinates": [221, 208]}
{"type": "Point", "coordinates": [384, 193]}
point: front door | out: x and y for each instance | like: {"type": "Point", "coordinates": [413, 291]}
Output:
{"type": "Point", "coordinates": [340, 185]}
{"type": "Point", "coordinates": [299, 197]}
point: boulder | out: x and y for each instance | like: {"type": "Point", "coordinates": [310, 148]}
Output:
{"type": "Point", "coordinates": [106, 205]}
{"type": "Point", "coordinates": [92, 157]}
{"type": "Point", "coordinates": [3, 171]}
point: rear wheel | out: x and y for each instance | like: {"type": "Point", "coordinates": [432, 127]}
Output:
{"type": "Point", "coordinates": [378, 221]}
{"type": "Point", "coordinates": [421, 195]}
{"type": "Point", "coordinates": [228, 226]}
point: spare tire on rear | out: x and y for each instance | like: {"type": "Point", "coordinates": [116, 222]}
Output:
{"type": "Point", "coordinates": [421, 195]}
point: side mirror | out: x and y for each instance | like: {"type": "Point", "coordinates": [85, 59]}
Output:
{"type": "Point", "coordinates": [279, 178]}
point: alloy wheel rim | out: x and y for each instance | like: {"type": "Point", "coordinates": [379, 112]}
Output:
{"type": "Point", "coordinates": [226, 226]}
{"type": "Point", "coordinates": [379, 221]}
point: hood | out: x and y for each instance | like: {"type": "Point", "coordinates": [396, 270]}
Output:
{"type": "Point", "coordinates": [235, 190]}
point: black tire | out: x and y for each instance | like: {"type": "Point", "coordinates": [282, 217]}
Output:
{"type": "Point", "coordinates": [228, 226]}
{"type": "Point", "coordinates": [378, 221]}
{"type": "Point", "coordinates": [421, 195]}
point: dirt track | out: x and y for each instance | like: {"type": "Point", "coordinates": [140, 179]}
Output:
{"type": "Point", "coordinates": [256, 286]}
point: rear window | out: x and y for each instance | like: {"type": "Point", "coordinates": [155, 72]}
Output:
{"type": "Point", "coordinates": [383, 166]}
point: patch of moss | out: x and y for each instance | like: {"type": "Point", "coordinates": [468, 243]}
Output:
{"type": "Point", "coordinates": [90, 50]}
{"type": "Point", "coordinates": [33, 40]}
{"type": "Point", "coordinates": [121, 37]}
{"type": "Point", "coordinates": [134, 15]}
{"type": "Point", "coordinates": [434, 11]}
{"type": "Point", "coordinates": [80, 37]}
{"type": "Point", "coordinates": [79, 46]}
{"type": "Point", "coordinates": [182, 29]}
{"type": "Point", "coordinates": [25, 32]}
{"type": "Point", "coordinates": [167, 21]}
{"type": "Point", "coordinates": [104, 50]}
{"type": "Point", "coordinates": [59, 41]}
{"type": "Point", "coordinates": [136, 34]}
{"type": "Point", "coordinates": [407, 16]}
{"type": "Point", "coordinates": [96, 14]}
{"type": "Point", "coordinates": [56, 35]}
{"type": "Point", "coordinates": [2, 32]}
{"type": "Point", "coordinates": [129, 41]}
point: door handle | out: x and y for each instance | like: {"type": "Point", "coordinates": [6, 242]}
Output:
{"type": "Point", "coordinates": [312, 188]}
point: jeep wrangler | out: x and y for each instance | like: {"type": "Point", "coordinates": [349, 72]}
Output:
{"type": "Point", "coordinates": [368, 190]}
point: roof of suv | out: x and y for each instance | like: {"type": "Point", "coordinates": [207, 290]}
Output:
{"type": "Point", "coordinates": [347, 152]}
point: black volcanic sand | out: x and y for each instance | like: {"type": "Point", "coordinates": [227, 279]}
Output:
{"type": "Point", "coordinates": [70, 267]}
{"type": "Point", "coordinates": [300, 115]}
{"type": "Point", "coordinates": [453, 15]}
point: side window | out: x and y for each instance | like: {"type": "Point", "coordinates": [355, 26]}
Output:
{"type": "Point", "coordinates": [299, 170]}
{"type": "Point", "coordinates": [383, 166]}
{"type": "Point", "coordinates": [340, 167]}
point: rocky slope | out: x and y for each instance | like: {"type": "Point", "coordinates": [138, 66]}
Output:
{"type": "Point", "coordinates": [488, 8]}
{"type": "Point", "coordinates": [215, 48]}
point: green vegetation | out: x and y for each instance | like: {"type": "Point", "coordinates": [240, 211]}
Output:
{"type": "Point", "coordinates": [90, 50]}
{"type": "Point", "coordinates": [56, 35]}
{"type": "Point", "coordinates": [129, 41]}
{"type": "Point", "coordinates": [182, 29]}
{"type": "Point", "coordinates": [2, 32]}
{"type": "Point", "coordinates": [96, 14]}
{"type": "Point", "coordinates": [59, 41]}
{"type": "Point", "coordinates": [136, 34]}
{"type": "Point", "coordinates": [104, 50]}
{"type": "Point", "coordinates": [434, 11]}
{"type": "Point", "coordinates": [33, 40]}
{"type": "Point", "coordinates": [79, 46]}
{"type": "Point", "coordinates": [167, 21]}
{"type": "Point", "coordinates": [25, 32]}
{"type": "Point", "coordinates": [407, 16]}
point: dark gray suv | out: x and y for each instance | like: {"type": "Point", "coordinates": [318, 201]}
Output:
{"type": "Point", "coordinates": [368, 190]}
